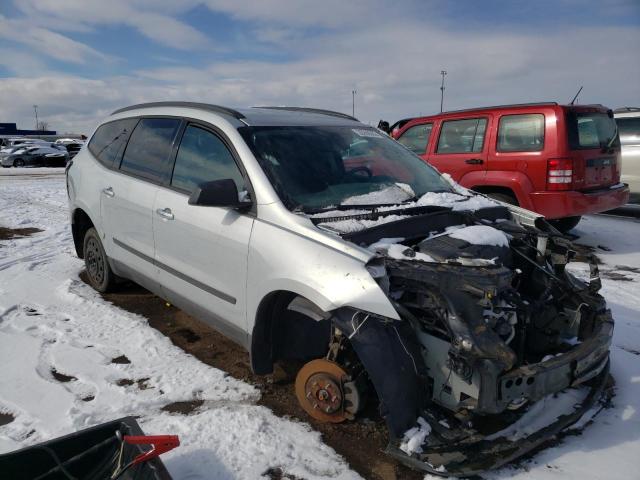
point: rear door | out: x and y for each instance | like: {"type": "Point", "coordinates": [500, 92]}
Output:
{"type": "Point", "coordinates": [128, 197]}
{"type": "Point", "coordinates": [202, 251]}
{"type": "Point", "coordinates": [460, 146]}
{"type": "Point", "coordinates": [595, 145]}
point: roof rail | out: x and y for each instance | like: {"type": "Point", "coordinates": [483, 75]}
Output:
{"type": "Point", "coordinates": [313, 110]}
{"type": "Point", "coordinates": [501, 106]}
{"type": "Point", "coordinates": [200, 106]}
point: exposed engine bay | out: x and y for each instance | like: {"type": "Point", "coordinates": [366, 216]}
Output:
{"type": "Point", "coordinates": [490, 323]}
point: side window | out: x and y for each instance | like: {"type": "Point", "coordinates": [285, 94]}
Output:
{"type": "Point", "coordinates": [416, 138]}
{"type": "Point", "coordinates": [109, 140]}
{"type": "Point", "coordinates": [462, 136]}
{"type": "Point", "coordinates": [149, 147]}
{"type": "Point", "coordinates": [521, 133]}
{"type": "Point", "coordinates": [203, 157]}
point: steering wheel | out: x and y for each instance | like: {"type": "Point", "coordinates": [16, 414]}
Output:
{"type": "Point", "coordinates": [364, 169]}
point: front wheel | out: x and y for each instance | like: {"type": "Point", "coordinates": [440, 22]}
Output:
{"type": "Point", "coordinates": [565, 224]}
{"type": "Point", "coordinates": [95, 259]}
{"type": "Point", "coordinates": [18, 163]}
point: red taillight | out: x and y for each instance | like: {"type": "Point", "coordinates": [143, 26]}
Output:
{"type": "Point", "coordinates": [559, 174]}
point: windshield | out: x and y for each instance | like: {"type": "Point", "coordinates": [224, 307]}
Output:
{"type": "Point", "coordinates": [313, 168]}
{"type": "Point", "coordinates": [592, 130]}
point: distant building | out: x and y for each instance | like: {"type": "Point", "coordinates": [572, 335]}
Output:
{"type": "Point", "coordinates": [12, 129]}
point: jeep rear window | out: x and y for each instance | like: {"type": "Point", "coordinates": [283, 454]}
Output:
{"type": "Point", "coordinates": [521, 133]}
{"type": "Point", "coordinates": [589, 130]}
{"type": "Point", "coordinates": [462, 136]}
{"type": "Point", "coordinates": [318, 167]}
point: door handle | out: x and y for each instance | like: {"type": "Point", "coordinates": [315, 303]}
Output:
{"type": "Point", "coordinates": [108, 192]}
{"type": "Point", "coordinates": [474, 161]}
{"type": "Point", "coordinates": [165, 213]}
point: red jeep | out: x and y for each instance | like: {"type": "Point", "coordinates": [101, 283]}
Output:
{"type": "Point", "coordinates": [562, 161]}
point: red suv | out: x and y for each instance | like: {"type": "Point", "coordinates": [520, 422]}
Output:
{"type": "Point", "coordinates": [562, 161]}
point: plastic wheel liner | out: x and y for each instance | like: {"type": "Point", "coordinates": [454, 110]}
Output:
{"type": "Point", "coordinates": [390, 352]}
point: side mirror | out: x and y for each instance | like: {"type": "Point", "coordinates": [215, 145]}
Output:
{"type": "Point", "coordinates": [218, 193]}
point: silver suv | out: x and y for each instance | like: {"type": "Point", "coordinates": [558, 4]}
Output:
{"type": "Point", "coordinates": [306, 235]}
{"type": "Point", "coordinates": [628, 121]}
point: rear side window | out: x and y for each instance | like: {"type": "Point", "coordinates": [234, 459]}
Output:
{"type": "Point", "coordinates": [462, 136]}
{"type": "Point", "coordinates": [521, 133]}
{"type": "Point", "coordinates": [203, 157]}
{"type": "Point", "coordinates": [149, 147]}
{"type": "Point", "coordinates": [110, 138]}
{"type": "Point", "coordinates": [416, 138]}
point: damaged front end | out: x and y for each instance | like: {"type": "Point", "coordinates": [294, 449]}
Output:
{"type": "Point", "coordinates": [489, 329]}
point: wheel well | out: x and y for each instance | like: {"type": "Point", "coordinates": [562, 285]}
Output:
{"type": "Point", "coordinates": [81, 223]}
{"type": "Point", "coordinates": [495, 189]}
{"type": "Point", "coordinates": [280, 333]}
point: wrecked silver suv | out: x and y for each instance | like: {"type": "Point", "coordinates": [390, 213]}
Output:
{"type": "Point", "coordinates": [306, 235]}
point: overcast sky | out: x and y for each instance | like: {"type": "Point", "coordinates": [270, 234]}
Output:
{"type": "Point", "coordinates": [78, 60]}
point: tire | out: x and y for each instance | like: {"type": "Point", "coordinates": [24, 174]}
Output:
{"type": "Point", "coordinates": [97, 263]}
{"type": "Point", "coordinates": [18, 163]}
{"type": "Point", "coordinates": [565, 224]}
{"type": "Point", "coordinates": [503, 197]}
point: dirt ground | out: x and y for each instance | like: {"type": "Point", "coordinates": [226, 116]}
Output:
{"type": "Point", "coordinates": [360, 442]}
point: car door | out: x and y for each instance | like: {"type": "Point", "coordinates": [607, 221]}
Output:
{"type": "Point", "coordinates": [128, 198]}
{"type": "Point", "coordinates": [202, 251]}
{"type": "Point", "coordinates": [461, 147]}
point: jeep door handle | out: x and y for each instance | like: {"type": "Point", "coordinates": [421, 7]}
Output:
{"type": "Point", "coordinates": [165, 213]}
{"type": "Point", "coordinates": [108, 192]}
{"type": "Point", "coordinates": [474, 161]}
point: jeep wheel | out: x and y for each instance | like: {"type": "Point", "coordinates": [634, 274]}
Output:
{"type": "Point", "coordinates": [565, 224]}
{"type": "Point", "coordinates": [97, 264]}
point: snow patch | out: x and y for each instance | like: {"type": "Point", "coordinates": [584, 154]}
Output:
{"type": "Point", "coordinates": [481, 235]}
{"type": "Point", "coordinates": [415, 437]}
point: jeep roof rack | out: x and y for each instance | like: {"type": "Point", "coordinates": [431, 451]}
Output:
{"type": "Point", "coordinates": [313, 110]}
{"type": "Point", "coordinates": [200, 106]}
{"type": "Point", "coordinates": [531, 104]}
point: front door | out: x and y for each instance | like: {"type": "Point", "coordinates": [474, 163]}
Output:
{"type": "Point", "coordinates": [202, 251]}
{"type": "Point", "coordinates": [461, 147]}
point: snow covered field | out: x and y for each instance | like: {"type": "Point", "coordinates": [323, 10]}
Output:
{"type": "Point", "coordinates": [59, 339]}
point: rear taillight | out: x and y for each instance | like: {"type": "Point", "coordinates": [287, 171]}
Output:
{"type": "Point", "coordinates": [559, 174]}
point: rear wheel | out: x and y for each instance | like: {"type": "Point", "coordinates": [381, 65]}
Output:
{"type": "Point", "coordinates": [95, 259]}
{"type": "Point", "coordinates": [18, 162]}
{"type": "Point", "coordinates": [565, 224]}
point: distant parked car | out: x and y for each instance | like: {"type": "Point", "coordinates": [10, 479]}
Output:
{"type": "Point", "coordinates": [628, 120]}
{"type": "Point", "coordinates": [71, 145]}
{"type": "Point", "coordinates": [31, 155]}
{"type": "Point", "coordinates": [562, 161]}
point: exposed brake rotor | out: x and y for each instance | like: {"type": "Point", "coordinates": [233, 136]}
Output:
{"type": "Point", "coordinates": [326, 391]}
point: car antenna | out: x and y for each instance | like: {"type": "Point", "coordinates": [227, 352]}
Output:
{"type": "Point", "coordinates": [576, 97]}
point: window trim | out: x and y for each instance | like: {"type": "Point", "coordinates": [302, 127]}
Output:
{"type": "Point", "coordinates": [484, 138]}
{"type": "Point", "coordinates": [426, 147]}
{"type": "Point", "coordinates": [544, 132]}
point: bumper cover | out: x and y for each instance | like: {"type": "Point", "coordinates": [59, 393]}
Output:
{"type": "Point", "coordinates": [476, 453]}
{"type": "Point", "coordinates": [572, 203]}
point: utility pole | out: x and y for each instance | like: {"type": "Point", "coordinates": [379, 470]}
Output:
{"type": "Point", "coordinates": [353, 102]}
{"type": "Point", "coordinates": [35, 109]}
{"type": "Point", "coordinates": [443, 73]}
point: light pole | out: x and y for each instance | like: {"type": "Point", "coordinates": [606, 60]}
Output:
{"type": "Point", "coordinates": [35, 109]}
{"type": "Point", "coordinates": [353, 102]}
{"type": "Point", "coordinates": [443, 73]}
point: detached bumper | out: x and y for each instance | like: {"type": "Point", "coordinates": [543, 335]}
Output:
{"type": "Point", "coordinates": [572, 203]}
{"type": "Point", "coordinates": [475, 454]}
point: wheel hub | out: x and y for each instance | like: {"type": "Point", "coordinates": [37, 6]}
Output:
{"type": "Point", "coordinates": [320, 391]}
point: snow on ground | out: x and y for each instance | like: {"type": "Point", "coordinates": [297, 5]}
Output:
{"type": "Point", "coordinates": [53, 325]}
{"type": "Point", "coordinates": [51, 321]}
